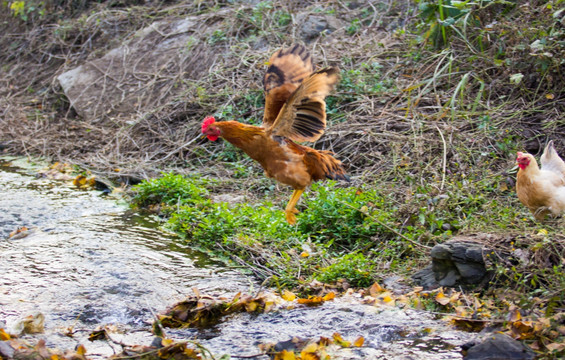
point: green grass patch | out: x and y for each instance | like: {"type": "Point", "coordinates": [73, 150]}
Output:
{"type": "Point", "coordinates": [170, 189]}
{"type": "Point", "coordinates": [342, 233]}
{"type": "Point", "coordinates": [355, 268]}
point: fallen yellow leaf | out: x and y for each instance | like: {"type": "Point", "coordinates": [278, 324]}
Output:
{"type": "Point", "coordinates": [523, 329]}
{"type": "Point", "coordinates": [191, 353]}
{"type": "Point", "coordinates": [359, 341]}
{"type": "Point", "coordinates": [310, 348]}
{"type": "Point", "coordinates": [339, 340]}
{"type": "Point", "coordinates": [386, 299]}
{"type": "Point", "coordinates": [442, 299]}
{"type": "Point", "coordinates": [312, 300]}
{"type": "Point", "coordinates": [514, 314]}
{"type": "Point", "coordinates": [453, 298]}
{"type": "Point", "coordinates": [285, 355]}
{"type": "Point", "coordinates": [269, 305]}
{"type": "Point", "coordinates": [308, 356]}
{"type": "Point", "coordinates": [288, 295]}
{"type": "Point", "coordinates": [4, 335]}
{"type": "Point", "coordinates": [375, 290]}
{"type": "Point", "coordinates": [167, 342]}
{"type": "Point", "coordinates": [81, 350]}
{"type": "Point", "coordinates": [82, 181]}
{"type": "Point", "coordinates": [461, 311]}
{"type": "Point", "coordinates": [251, 306]}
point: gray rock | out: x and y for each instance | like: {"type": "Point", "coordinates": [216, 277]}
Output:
{"type": "Point", "coordinates": [457, 262]}
{"type": "Point", "coordinates": [473, 273]}
{"type": "Point", "coordinates": [426, 278]}
{"type": "Point", "coordinates": [144, 72]}
{"type": "Point", "coordinates": [499, 347]}
{"type": "Point", "coordinates": [450, 279]}
{"type": "Point", "coordinates": [312, 26]}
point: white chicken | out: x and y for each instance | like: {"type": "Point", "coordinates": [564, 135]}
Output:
{"type": "Point", "coordinates": [542, 190]}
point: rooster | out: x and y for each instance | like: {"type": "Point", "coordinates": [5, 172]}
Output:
{"type": "Point", "coordinates": [295, 110]}
{"type": "Point", "coordinates": [541, 191]}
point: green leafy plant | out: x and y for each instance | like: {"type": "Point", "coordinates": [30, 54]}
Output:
{"type": "Point", "coordinates": [283, 18]}
{"type": "Point", "coordinates": [440, 15]}
{"type": "Point", "coordinates": [170, 189]}
{"type": "Point", "coordinates": [217, 37]}
{"type": "Point", "coordinates": [354, 268]}
{"type": "Point", "coordinates": [27, 9]}
{"type": "Point", "coordinates": [354, 27]}
{"type": "Point", "coordinates": [333, 214]}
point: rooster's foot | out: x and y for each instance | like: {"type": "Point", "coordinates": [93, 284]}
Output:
{"type": "Point", "coordinates": [290, 217]}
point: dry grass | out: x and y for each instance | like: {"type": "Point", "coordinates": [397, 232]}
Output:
{"type": "Point", "coordinates": [427, 121]}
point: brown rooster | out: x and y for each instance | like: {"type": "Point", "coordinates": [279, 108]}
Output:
{"type": "Point", "coordinates": [295, 110]}
{"type": "Point", "coordinates": [542, 190]}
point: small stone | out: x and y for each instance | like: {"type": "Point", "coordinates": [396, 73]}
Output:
{"type": "Point", "coordinates": [313, 26]}
{"type": "Point", "coordinates": [457, 262]}
{"type": "Point", "coordinates": [499, 346]}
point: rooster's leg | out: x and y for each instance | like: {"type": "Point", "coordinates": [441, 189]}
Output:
{"type": "Point", "coordinates": [290, 208]}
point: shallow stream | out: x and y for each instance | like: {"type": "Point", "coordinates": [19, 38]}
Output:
{"type": "Point", "coordinates": [91, 262]}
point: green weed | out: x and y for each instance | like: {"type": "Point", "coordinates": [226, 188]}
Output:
{"type": "Point", "coordinates": [170, 189]}
{"type": "Point", "coordinates": [26, 10]}
{"type": "Point", "coordinates": [217, 37]}
{"type": "Point", "coordinates": [333, 215]}
{"type": "Point", "coordinates": [355, 268]}
{"type": "Point", "coordinates": [354, 27]}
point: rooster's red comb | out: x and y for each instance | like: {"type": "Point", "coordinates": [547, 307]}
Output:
{"type": "Point", "coordinates": [207, 121]}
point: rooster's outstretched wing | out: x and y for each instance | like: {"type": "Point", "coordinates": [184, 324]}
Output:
{"type": "Point", "coordinates": [303, 116]}
{"type": "Point", "coordinates": [287, 69]}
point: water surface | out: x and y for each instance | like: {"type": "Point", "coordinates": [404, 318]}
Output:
{"type": "Point", "coordinates": [91, 262]}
